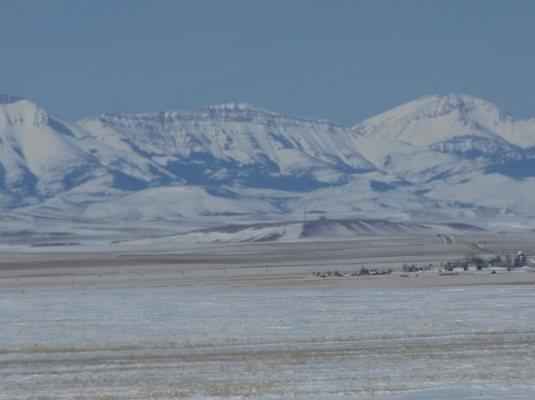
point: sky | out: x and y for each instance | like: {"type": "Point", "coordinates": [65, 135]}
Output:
{"type": "Point", "coordinates": [340, 60]}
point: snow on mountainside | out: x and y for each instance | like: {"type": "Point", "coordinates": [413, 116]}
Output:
{"type": "Point", "coordinates": [457, 148]}
{"type": "Point", "coordinates": [292, 231]}
{"type": "Point", "coordinates": [435, 157]}
{"type": "Point", "coordinates": [42, 156]}
{"type": "Point", "coordinates": [38, 156]}
{"type": "Point", "coordinates": [417, 122]}
{"type": "Point", "coordinates": [436, 137]}
{"type": "Point", "coordinates": [236, 143]}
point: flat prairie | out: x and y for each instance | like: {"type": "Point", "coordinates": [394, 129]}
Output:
{"type": "Point", "coordinates": [252, 321]}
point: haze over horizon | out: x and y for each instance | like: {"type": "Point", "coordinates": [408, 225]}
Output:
{"type": "Point", "coordinates": [343, 61]}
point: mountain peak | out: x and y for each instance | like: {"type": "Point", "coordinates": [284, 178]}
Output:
{"type": "Point", "coordinates": [237, 110]}
{"type": "Point", "coordinates": [456, 98]}
{"type": "Point", "coordinates": [235, 107]}
{"type": "Point", "coordinates": [434, 106]}
{"type": "Point", "coordinates": [19, 111]}
{"type": "Point", "coordinates": [244, 111]}
{"type": "Point", "coordinates": [8, 98]}
{"type": "Point", "coordinates": [251, 159]}
{"type": "Point", "coordinates": [464, 101]}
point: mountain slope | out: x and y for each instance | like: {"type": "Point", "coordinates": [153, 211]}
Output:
{"type": "Point", "coordinates": [236, 144]}
{"type": "Point", "coordinates": [445, 157]}
{"type": "Point", "coordinates": [38, 156]}
{"type": "Point", "coordinates": [42, 156]}
{"type": "Point", "coordinates": [438, 137]}
{"type": "Point", "coordinates": [298, 230]}
{"type": "Point", "coordinates": [457, 150]}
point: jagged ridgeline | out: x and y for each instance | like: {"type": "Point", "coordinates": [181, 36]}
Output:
{"type": "Point", "coordinates": [453, 155]}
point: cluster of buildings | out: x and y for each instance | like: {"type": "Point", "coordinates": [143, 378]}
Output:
{"type": "Point", "coordinates": [508, 262]}
{"type": "Point", "coordinates": [470, 264]}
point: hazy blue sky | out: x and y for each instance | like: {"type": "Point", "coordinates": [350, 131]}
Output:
{"type": "Point", "coordinates": [341, 60]}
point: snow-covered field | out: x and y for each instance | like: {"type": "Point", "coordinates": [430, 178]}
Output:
{"type": "Point", "coordinates": [132, 327]}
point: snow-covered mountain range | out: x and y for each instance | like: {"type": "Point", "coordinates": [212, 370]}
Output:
{"type": "Point", "coordinates": [446, 157]}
